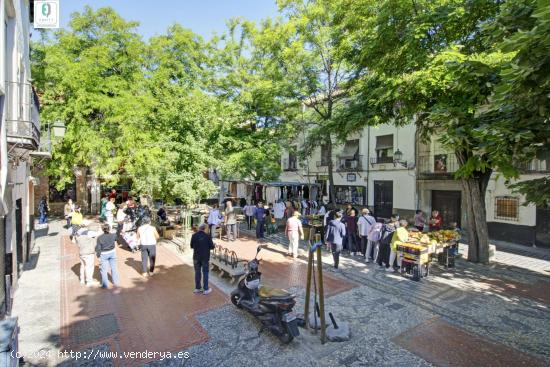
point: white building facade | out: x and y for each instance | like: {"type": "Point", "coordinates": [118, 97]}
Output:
{"type": "Point", "coordinates": [366, 173]}
{"type": "Point", "coordinates": [389, 170]}
{"type": "Point", "coordinates": [19, 141]}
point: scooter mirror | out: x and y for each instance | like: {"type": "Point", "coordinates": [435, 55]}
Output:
{"type": "Point", "coordinates": [258, 249]}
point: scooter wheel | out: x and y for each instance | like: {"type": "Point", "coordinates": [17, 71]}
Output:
{"type": "Point", "coordinates": [235, 300]}
{"type": "Point", "coordinates": [286, 338]}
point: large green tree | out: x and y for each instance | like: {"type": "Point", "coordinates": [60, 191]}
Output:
{"type": "Point", "coordinates": [439, 63]}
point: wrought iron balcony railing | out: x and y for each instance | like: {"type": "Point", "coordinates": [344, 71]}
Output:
{"type": "Point", "coordinates": [290, 165]}
{"type": "Point", "coordinates": [350, 164]}
{"type": "Point", "coordinates": [22, 116]}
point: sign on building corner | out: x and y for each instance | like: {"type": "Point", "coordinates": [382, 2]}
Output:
{"type": "Point", "coordinates": [46, 14]}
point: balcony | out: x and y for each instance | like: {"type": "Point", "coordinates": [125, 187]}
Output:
{"type": "Point", "coordinates": [22, 119]}
{"type": "Point", "coordinates": [350, 164]}
{"type": "Point", "coordinates": [290, 165]}
{"type": "Point", "coordinates": [437, 166]}
{"type": "Point", "coordinates": [322, 163]}
{"type": "Point", "coordinates": [381, 160]}
{"type": "Point", "coordinates": [535, 166]}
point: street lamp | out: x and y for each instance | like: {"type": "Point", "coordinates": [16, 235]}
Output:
{"type": "Point", "coordinates": [397, 158]}
{"type": "Point", "coordinates": [58, 129]}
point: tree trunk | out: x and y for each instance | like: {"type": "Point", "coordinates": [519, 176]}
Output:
{"type": "Point", "coordinates": [475, 189]}
{"type": "Point", "coordinates": [331, 189]}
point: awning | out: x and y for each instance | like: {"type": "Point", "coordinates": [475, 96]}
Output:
{"type": "Point", "coordinates": [384, 142]}
{"type": "Point", "coordinates": [351, 149]}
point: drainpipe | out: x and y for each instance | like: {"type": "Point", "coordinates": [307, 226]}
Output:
{"type": "Point", "coordinates": [368, 164]}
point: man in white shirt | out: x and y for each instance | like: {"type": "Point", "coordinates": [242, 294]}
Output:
{"type": "Point", "coordinates": [214, 220]}
{"type": "Point", "coordinates": [364, 224]}
{"type": "Point", "coordinates": [249, 213]}
{"type": "Point", "coordinates": [120, 218]}
{"type": "Point", "coordinates": [109, 212]}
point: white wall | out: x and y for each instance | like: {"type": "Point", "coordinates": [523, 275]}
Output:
{"type": "Point", "coordinates": [497, 187]}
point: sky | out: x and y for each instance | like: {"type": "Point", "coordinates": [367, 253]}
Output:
{"type": "Point", "coordinates": [202, 16]}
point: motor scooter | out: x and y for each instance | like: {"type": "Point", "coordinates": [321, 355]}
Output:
{"type": "Point", "coordinates": [272, 306]}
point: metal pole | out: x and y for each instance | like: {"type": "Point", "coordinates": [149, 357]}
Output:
{"type": "Point", "coordinates": [321, 295]}
{"type": "Point", "coordinates": [308, 287]}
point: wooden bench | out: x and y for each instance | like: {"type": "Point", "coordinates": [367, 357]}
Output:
{"type": "Point", "coordinates": [227, 263]}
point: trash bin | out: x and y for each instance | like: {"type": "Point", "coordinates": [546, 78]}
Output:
{"type": "Point", "coordinates": [9, 333]}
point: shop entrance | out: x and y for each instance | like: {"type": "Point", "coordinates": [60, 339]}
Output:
{"type": "Point", "coordinates": [448, 203]}
{"type": "Point", "coordinates": [543, 227]}
{"type": "Point", "coordinates": [383, 199]}
{"type": "Point", "coordinates": [19, 229]}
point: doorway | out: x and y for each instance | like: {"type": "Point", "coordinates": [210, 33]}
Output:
{"type": "Point", "coordinates": [543, 228]}
{"type": "Point", "coordinates": [19, 229]}
{"type": "Point", "coordinates": [383, 199]}
{"type": "Point", "coordinates": [448, 203]}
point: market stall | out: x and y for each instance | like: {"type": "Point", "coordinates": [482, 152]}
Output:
{"type": "Point", "coordinates": [421, 248]}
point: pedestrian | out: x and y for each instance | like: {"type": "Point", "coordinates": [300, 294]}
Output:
{"type": "Point", "coordinates": [336, 231]}
{"type": "Point", "coordinates": [214, 220]}
{"type": "Point", "coordinates": [201, 243]}
{"type": "Point", "coordinates": [120, 218]}
{"type": "Point", "coordinates": [249, 213]}
{"type": "Point", "coordinates": [436, 221]}
{"type": "Point", "coordinates": [110, 212]}
{"type": "Point", "coordinates": [162, 215]}
{"type": "Point", "coordinates": [230, 221]}
{"type": "Point", "coordinates": [103, 209]}
{"type": "Point", "coordinates": [85, 239]}
{"type": "Point", "coordinates": [113, 194]}
{"type": "Point", "coordinates": [105, 250]}
{"type": "Point", "coordinates": [419, 221]}
{"type": "Point", "coordinates": [349, 208]}
{"type": "Point", "coordinates": [294, 232]}
{"type": "Point", "coordinates": [147, 236]}
{"type": "Point", "coordinates": [259, 215]}
{"type": "Point", "coordinates": [400, 235]}
{"type": "Point", "coordinates": [384, 248]}
{"type": "Point", "coordinates": [364, 224]}
{"type": "Point", "coordinates": [76, 221]}
{"type": "Point", "coordinates": [374, 235]}
{"type": "Point", "coordinates": [270, 220]}
{"type": "Point", "coordinates": [43, 210]}
{"type": "Point", "coordinates": [350, 240]}
{"type": "Point", "coordinates": [68, 212]}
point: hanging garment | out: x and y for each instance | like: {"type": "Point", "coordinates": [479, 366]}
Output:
{"type": "Point", "coordinates": [271, 194]}
{"type": "Point", "coordinates": [241, 190]}
{"type": "Point", "coordinates": [314, 192]}
{"type": "Point", "coordinates": [279, 210]}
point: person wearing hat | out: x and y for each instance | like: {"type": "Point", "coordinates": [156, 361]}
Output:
{"type": "Point", "coordinates": [294, 232]}
{"type": "Point", "coordinates": [201, 243]}
{"type": "Point", "coordinates": [364, 225]}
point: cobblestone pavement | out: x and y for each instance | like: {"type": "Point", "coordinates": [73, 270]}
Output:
{"type": "Point", "coordinates": [479, 315]}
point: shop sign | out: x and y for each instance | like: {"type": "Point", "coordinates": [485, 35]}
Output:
{"type": "Point", "coordinates": [351, 177]}
{"type": "Point", "coordinates": [46, 14]}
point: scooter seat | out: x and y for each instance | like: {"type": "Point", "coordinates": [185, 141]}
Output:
{"type": "Point", "coordinates": [269, 292]}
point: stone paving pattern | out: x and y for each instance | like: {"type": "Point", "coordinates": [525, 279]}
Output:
{"type": "Point", "coordinates": [500, 310]}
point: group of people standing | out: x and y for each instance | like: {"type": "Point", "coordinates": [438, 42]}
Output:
{"type": "Point", "coordinates": [374, 240]}
{"type": "Point", "coordinates": [102, 243]}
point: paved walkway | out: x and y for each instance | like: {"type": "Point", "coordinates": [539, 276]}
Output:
{"type": "Point", "coordinates": [472, 315]}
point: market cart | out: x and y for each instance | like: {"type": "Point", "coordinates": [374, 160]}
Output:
{"type": "Point", "coordinates": [421, 248]}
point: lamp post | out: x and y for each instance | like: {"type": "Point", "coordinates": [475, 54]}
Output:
{"type": "Point", "coordinates": [397, 158]}
{"type": "Point", "coordinates": [58, 128]}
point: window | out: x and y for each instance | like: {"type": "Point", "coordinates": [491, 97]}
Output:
{"type": "Point", "coordinates": [292, 158]}
{"type": "Point", "coordinates": [507, 208]}
{"type": "Point", "coordinates": [384, 149]}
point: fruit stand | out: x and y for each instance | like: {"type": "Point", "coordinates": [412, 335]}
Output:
{"type": "Point", "coordinates": [421, 248]}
